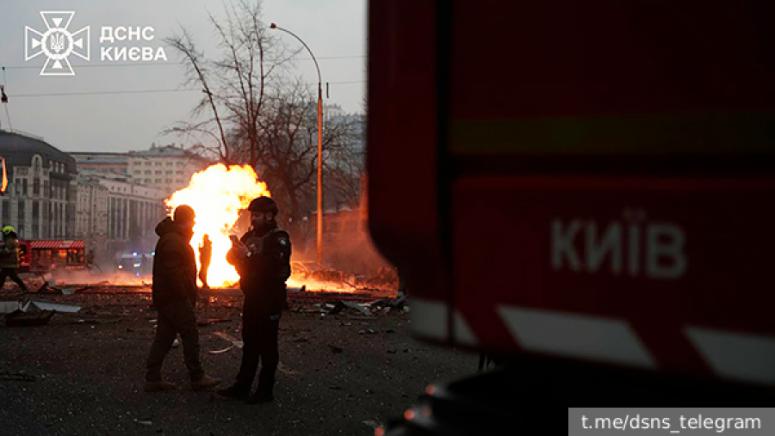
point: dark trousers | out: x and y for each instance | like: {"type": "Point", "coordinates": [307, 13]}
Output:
{"type": "Point", "coordinates": [203, 272]}
{"type": "Point", "coordinates": [175, 318]}
{"type": "Point", "coordinates": [12, 273]}
{"type": "Point", "coordinates": [259, 335]}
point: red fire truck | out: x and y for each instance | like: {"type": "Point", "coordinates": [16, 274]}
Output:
{"type": "Point", "coordinates": [590, 201]}
{"type": "Point", "coordinates": [49, 255]}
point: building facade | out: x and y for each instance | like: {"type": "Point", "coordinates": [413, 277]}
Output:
{"type": "Point", "coordinates": [121, 195]}
{"type": "Point", "coordinates": [118, 214]}
{"type": "Point", "coordinates": [91, 214]}
{"type": "Point", "coordinates": [101, 163]}
{"type": "Point", "coordinates": [166, 167]}
{"type": "Point", "coordinates": [41, 196]}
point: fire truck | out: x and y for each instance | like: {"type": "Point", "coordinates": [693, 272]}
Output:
{"type": "Point", "coordinates": [51, 255]}
{"type": "Point", "coordinates": [587, 198]}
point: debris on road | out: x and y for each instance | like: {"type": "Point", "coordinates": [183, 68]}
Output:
{"type": "Point", "coordinates": [361, 307]}
{"type": "Point", "coordinates": [229, 338]}
{"type": "Point", "coordinates": [55, 307]}
{"type": "Point", "coordinates": [16, 376]}
{"type": "Point", "coordinates": [33, 313]}
{"type": "Point", "coordinates": [9, 306]}
{"type": "Point", "coordinates": [28, 319]}
{"type": "Point", "coordinates": [210, 321]}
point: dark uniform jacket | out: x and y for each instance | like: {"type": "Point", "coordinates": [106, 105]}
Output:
{"type": "Point", "coordinates": [264, 271]}
{"type": "Point", "coordinates": [9, 252]}
{"type": "Point", "coordinates": [174, 265]}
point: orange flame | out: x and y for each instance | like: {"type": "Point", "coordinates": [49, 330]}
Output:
{"type": "Point", "coordinates": [217, 194]}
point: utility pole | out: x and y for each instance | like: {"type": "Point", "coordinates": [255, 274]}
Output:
{"type": "Point", "coordinates": [319, 224]}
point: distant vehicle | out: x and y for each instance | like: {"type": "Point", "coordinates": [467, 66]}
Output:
{"type": "Point", "coordinates": [135, 263]}
{"type": "Point", "coordinates": [48, 254]}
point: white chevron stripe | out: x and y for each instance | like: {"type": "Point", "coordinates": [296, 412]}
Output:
{"type": "Point", "coordinates": [734, 355]}
{"type": "Point", "coordinates": [463, 333]}
{"type": "Point", "coordinates": [574, 335]}
{"type": "Point", "coordinates": [429, 319]}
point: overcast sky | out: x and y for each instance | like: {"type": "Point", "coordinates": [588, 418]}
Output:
{"type": "Point", "coordinates": [335, 30]}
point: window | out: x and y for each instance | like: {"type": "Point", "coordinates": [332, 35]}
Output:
{"type": "Point", "coordinates": [147, 171]}
{"type": "Point", "coordinates": [35, 219]}
{"type": "Point", "coordinates": [17, 186]}
{"type": "Point", "coordinates": [169, 164]}
{"type": "Point", "coordinates": [20, 212]}
{"type": "Point", "coordinates": [168, 180]}
{"type": "Point", "coordinates": [6, 211]}
{"type": "Point", "coordinates": [36, 186]}
{"type": "Point", "coordinates": [24, 186]}
{"type": "Point", "coordinates": [158, 164]}
{"type": "Point", "coordinates": [158, 180]}
{"type": "Point", "coordinates": [46, 191]}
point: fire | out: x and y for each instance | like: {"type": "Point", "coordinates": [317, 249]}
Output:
{"type": "Point", "coordinates": [217, 194]}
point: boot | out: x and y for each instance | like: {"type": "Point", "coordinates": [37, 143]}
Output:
{"type": "Point", "coordinates": [235, 392]}
{"type": "Point", "coordinates": [205, 382]}
{"type": "Point", "coordinates": [159, 386]}
{"type": "Point", "coordinates": [260, 397]}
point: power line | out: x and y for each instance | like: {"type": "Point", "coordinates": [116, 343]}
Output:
{"type": "Point", "coordinates": [125, 91]}
{"type": "Point", "coordinates": [141, 91]}
{"type": "Point", "coordinates": [166, 64]}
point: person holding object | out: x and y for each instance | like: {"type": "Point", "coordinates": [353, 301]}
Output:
{"type": "Point", "coordinates": [262, 258]}
{"type": "Point", "coordinates": [174, 295]}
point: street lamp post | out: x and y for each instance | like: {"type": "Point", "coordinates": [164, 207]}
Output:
{"type": "Point", "coordinates": [319, 226]}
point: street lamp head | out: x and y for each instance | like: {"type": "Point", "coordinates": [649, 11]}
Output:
{"type": "Point", "coordinates": [273, 26]}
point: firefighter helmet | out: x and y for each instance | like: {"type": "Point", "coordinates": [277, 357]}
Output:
{"type": "Point", "coordinates": [8, 229]}
{"type": "Point", "coordinates": [263, 204]}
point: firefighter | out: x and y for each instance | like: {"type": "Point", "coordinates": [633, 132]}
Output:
{"type": "Point", "coordinates": [205, 254]}
{"type": "Point", "coordinates": [174, 295]}
{"type": "Point", "coordinates": [262, 258]}
{"type": "Point", "coordinates": [9, 258]}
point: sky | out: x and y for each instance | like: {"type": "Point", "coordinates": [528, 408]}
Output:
{"type": "Point", "coordinates": [84, 112]}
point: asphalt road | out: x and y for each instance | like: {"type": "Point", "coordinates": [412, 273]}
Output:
{"type": "Point", "coordinates": [339, 374]}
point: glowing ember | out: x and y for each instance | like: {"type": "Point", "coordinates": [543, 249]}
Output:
{"type": "Point", "coordinates": [217, 194]}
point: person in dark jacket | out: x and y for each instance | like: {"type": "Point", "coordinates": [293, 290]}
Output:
{"type": "Point", "coordinates": [9, 258]}
{"type": "Point", "coordinates": [262, 258]}
{"type": "Point", "coordinates": [174, 295]}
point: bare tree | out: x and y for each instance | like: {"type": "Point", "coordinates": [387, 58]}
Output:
{"type": "Point", "coordinates": [234, 85]}
{"type": "Point", "coordinates": [254, 114]}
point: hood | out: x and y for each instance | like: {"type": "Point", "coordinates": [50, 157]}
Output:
{"type": "Point", "coordinates": [165, 226]}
